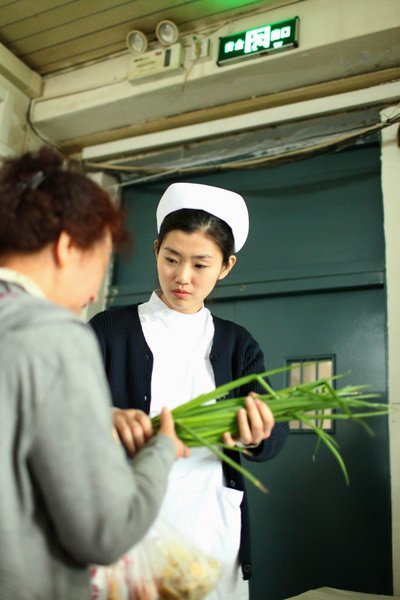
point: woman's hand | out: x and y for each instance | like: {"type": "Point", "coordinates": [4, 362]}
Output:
{"type": "Point", "coordinates": [167, 428]}
{"type": "Point", "coordinates": [255, 423]}
{"type": "Point", "coordinates": [132, 428]}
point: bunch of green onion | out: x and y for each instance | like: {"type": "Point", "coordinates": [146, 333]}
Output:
{"type": "Point", "coordinates": [201, 422]}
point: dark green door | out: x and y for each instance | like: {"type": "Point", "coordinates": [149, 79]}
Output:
{"type": "Point", "coordinates": [308, 284]}
{"type": "Point", "coordinates": [311, 530]}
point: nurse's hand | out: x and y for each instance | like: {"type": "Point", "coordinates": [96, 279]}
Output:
{"type": "Point", "coordinates": [167, 427]}
{"type": "Point", "coordinates": [132, 428]}
{"type": "Point", "coordinates": [255, 423]}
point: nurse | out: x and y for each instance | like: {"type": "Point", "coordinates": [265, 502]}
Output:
{"type": "Point", "coordinates": [171, 349]}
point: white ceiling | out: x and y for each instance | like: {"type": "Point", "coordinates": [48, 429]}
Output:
{"type": "Point", "coordinates": [51, 35]}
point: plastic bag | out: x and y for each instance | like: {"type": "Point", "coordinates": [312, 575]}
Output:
{"type": "Point", "coordinates": [163, 566]}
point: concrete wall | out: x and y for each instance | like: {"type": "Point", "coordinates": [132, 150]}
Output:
{"type": "Point", "coordinates": [391, 200]}
{"type": "Point", "coordinates": [18, 85]}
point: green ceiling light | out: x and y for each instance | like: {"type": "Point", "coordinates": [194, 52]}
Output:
{"type": "Point", "coordinates": [136, 41]}
{"type": "Point", "coordinates": [258, 41]}
{"type": "Point", "coordinates": [167, 32]}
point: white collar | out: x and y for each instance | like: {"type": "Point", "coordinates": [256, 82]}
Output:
{"type": "Point", "coordinates": [23, 281]}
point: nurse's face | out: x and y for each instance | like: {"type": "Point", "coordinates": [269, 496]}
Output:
{"type": "Point", "coordinates": [189, 265]}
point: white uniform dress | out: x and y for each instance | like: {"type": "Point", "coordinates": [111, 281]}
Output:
{"type": "Point", "coordinates": [197, 502]}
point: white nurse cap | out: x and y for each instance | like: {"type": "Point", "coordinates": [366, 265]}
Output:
{"type": "Point", "coordinates": [224, 204]}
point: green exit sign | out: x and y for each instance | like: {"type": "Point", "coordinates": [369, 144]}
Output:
{"type": "Point", "coordinates": [261, 40]}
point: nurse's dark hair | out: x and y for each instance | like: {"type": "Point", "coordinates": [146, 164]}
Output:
{"type": "Point", "coordinates": [191, 220]}
{"type": "Point", "coordinates": [42, 195]}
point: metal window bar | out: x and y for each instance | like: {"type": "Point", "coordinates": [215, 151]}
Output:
{"type": "Point", "coordinates": [305, 371]}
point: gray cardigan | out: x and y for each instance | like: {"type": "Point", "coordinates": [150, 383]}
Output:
{"type": "Point", "coordinates": [68, 496]}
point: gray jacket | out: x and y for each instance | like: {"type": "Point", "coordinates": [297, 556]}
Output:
{"type": "Point", "coordinates": [68, 496]}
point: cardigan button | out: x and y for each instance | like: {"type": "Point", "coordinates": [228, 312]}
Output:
{"type": "Point", "coordinates": [145, 397]}
{"type": "Point", "coordinates": [232, 483]}
{"type": "Point", "coordinates": [246, 568]}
